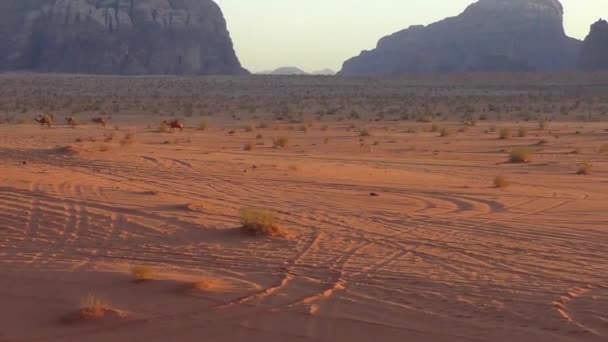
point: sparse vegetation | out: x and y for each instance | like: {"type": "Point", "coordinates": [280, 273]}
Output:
{"type": "Point", "coordinates": [364, 132]}
{"type": "Point", "coordinates": [505, 133]}
{"type": "Point", "coordinates": [127, 140]}
{"type": "Point", "coordinates": [522, 132]}
{"type": "Point", "coordinates": [445, 132]}
{"type": "Point", "coordinates": [521, 155]}
{"type": "Point", "coordinates": [584, 169]}
{"type": "Point", "coordinates": [501, 182]}
{"type": "Point", "coordinates": [142, 273]}
{"type": "Point", "coordinates": [202, 125]}
{"type": "Point", "coordinates": [260, 222]}
{"type": "Point", "coordinates": [281, 142]}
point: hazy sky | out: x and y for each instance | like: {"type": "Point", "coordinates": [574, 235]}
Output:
{"type": "Point", "coordinates": [317, 34]}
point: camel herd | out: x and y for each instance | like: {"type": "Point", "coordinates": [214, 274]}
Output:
{"type": "Point", "coordinates": [47, 120]}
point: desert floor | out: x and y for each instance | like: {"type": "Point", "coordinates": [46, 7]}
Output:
{"type": "Point", "coordinates": [440, 254]}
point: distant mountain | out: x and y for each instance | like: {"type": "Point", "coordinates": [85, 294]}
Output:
{"type": "Point", "coordinates": [324, 72]}
{"type": "Point", "coordinates": [490, 35]}
{"type": "Point", "coordinates": [186, 37]}
{"type": "Point", "coordinates": [594, 54]}
{"type": "Point", "coordinates": [285, 71]}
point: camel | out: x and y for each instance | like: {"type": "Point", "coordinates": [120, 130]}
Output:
{"type": "Point", "coordinates": [174, 124]}
{"type": "Point", "coordinates": [46, 119]}
{"type": "Point", "coordinates": [100, 121]}
{"type": "Point", "coordinates": [71, 121]}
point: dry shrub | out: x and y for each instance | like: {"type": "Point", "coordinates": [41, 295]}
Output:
{"type": "Point", "coordinates": [522, 132]}
{"type": "Point", "coordinates": [248, 147]}
{"type": "Point", "coordinates": [260, 222]}
{"type": "Point", "coordinates": [501, 182]}
{"type": "Point", "coordinates": [280, 142]}
{"type": "Point", "coordinates": [364, 132]}
{"type": "Point", "coordinates": [208, 285]}
{"type": "Point", "coordinates": [202, 125]}
{"type": "Point", "coordinates": [445, 132]}
{"type": "Point", "coordinates": [584, 169]}
{"type": "Point", "coordinates": [109, 137]}
{"type": "Point", "coordinates": [542, 142]}
{"type": "Point", "coordinates": [521, 155]}
{"type": "Point", "coordinates": [127, 140]}
{"type": "Point", "coordinates": [92, 308]}
{"type": "Point", "coordinates": [505, 133]}
{"type": "Point", "coordinates": [104, 148]}
{"type": "Point", "coordinates": [142, 273]}
{"type": "Point", "coordinates": [259, 136]}
{"type": "Point", "coordinates": [434, 128]}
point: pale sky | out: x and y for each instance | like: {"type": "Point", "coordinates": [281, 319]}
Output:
{"type": "Point", "coordinates": [317, 34]}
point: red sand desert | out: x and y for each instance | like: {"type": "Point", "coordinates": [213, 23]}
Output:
{"type": "Point", "coordinates": [393, 232]}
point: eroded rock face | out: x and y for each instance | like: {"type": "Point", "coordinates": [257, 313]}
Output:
{"type": "Point", "coordinates": [116, 37]}
{"type": "Point", "coordinates": [490, 35]}
{"type": "Point", "coordinates": [594, 54]}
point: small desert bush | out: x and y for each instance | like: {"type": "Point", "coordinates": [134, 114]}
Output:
{"type": "Point", "coordinates": [208, 285]}
{"type": "Point", "coordinates": [445, 132]}
{"type": "Point", "coordinates": [202, 125]}
{"type": "Point", "coordinates": [521, 155]}
{"type": "Point", "coordinates": [522, 132]}
{"type": "Point", "coordinates": [127, 140]}
{"type": "Point", "coordinates": [434, 128]}
{"type": "Point", "coordinates": [542, 124]}
{"type": "Point", "coordinates": [109, 137]}
{"type": "Point", "coordinates": [501, 182]}
{"type": "Point", "coordinates": [281, 142]}
{"type": "Point", "coordinates": [259, 136]}
{"type": "Point", "coordinates": [505, 133]}
{"type": "Point", "coordinates": [92, 307]}
{"type": "Point", "coordinates": [584, 169]}
{"type": "Point", "coordinates": [248, 147]}
{"type": "Point", "coordinates": [259, 222]}
{"type": "Point", "coordinates": [142, 273]}
{"type": "Point", "coordinates": [364, 132]}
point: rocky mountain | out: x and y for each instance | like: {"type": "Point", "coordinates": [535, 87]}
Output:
{"type": "Point", "coordinates": [324, 72]}
{"type": "Point", "coordinates": [490, 35]}
{"type": "Point", "coordinates": [594, 54]}
{"type": "Point", "coordinates": [116, 37]}
{"type": "Point", "coordinates": [290, 70]}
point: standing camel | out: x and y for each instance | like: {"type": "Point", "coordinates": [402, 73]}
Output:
{"type": "Point", "coordinates": [100, 121]}
{"type": "Point", "coordinates": [46, 119]}
{"type": "Point", "coordinates": [174, 124]}
{"type": "Point", "coordinates": [71, 121]}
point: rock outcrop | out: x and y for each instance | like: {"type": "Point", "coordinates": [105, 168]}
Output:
{"type": "Point", "coordinates": [490, 35]}
{"type": "Point", "coordinates": [594, 54]}
{"type": "Point", "coordinates": [185, 37]}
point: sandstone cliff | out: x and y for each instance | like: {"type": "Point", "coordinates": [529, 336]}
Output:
{"type": "Point", "coordinates": [116, 37]}
{"type": "Point", "coordinates": [594, 54]}
{"type": "Point", "coordinates": [490, 35]}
